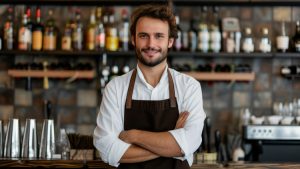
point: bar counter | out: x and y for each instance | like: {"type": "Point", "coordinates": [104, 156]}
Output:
{"type": "Point", "coordinates": [23, 163]}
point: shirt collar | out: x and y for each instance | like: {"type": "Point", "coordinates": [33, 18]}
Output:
{"type": "Point", "coordinates": [163, 79]}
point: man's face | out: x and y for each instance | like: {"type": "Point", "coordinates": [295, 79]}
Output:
{"type": "Point", "coordinates": [152, 41]}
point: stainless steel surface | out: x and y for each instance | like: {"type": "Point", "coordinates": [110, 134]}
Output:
{"type": "Point", "coordinates": [269, 132]}
{"type": "Point", "coordinates": [12, 145]}
{"type": "Point", "coordinates": [29, 145]}
{"type": "Point", "coordinates": [1, 139]}
{"type": "Point", "coordinates": [47, 145]}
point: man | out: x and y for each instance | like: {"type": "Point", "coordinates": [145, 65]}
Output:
{"type": "Point", "coordinates": [151, 117]}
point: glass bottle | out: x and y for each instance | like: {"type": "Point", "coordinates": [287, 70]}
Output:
{"type": "Point", "coordinates": [296, 38]}
{"type": "Point", "coordinates": [203, 35]}
{"type": "Point", "coordinates": [77, 32]}
{"type": "Point", "coordinates": [30, 27]}
{"type": "Point", "coordinates": [124, 31]}
{"type": "Point", "coordinates": [50, 33]}
{"type": "Point", "coordinates": [248, 44]}
{"type": "Point", "coordinates": [214, 32]}
{"type": "Point", "coordinates": [8, 34]}
{"type": "Point", "coordinates": [178, 42]}
{"type": "Point", "coordinates": [37, 32]}
{"type": "Point", "coordinates": [24, 35]}
{"type": "Point", "coordinates": [192, 34]}
{"type": "Point", "coordinates": [66, 40]}
{"type": "Point", "coordinates": [282, 40]}
{"type": "Point", "coordinates": [265, 42]}
{"type": "Point", "coordinates": [91, 34]}
{"type": "Point", "coordinates": [100, 31]}
{"type": "Point", "coordinates": [112, 40]}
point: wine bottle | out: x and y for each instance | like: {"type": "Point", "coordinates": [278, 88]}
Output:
{"type": "Point", "coordinates": [296, 38]}
{"type": "Point", "coordinates": [124, 31]}
{"type": "Point", "coordinates": [192, 34]}
{"type": "Point", "coordinates": [91, 32]}
{"type": "Point", "coordinates": [282, 40]}
{"type": "Point", "coordinates": [203, 35]}
{"type": "Point", "coordinates": [77, 32]}
{"type": "Point", "coordinates": [8, 34]}
{"type": "Point", "coordinates": [248, 44]}
{"type": "Point", "coordinates": [178, 42]}
{"type": "Point", "coordinates": [50, 33]}
{"type": "Point", "coordinates": [100, 31]}
{"type": "Point", "coordinates": [265, 42]}
{"type": "Point", "coordinates": [37, 32]}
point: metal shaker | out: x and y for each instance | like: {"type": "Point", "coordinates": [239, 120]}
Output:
{"type": "Point", "coordinates": [47, 145]}
{"type": "Point", "coordinates": [12, 146]}
{"type": "Point", "coordinates": [29, 145]}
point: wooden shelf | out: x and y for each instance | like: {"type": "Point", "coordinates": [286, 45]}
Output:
{"type": "Point", "coordinates": [89, 74]}
{"type": "Point", "coordinates": [222, 76]}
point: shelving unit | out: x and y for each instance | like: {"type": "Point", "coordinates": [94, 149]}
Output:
{"type": "Point", "coordinates": [222, 76]}
{"type": "Point", "coordinates": [52, 74]}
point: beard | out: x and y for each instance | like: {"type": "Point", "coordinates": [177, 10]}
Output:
{"type": "Point", "coordinates": [151, 63]}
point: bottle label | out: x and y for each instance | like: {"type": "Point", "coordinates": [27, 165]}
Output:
{"type": "Point", "coordinates": [100, 40]}
{"type": "Point", "coordinates": [112, 43]}
{"type": "Point", "coordinates": [37, 40]}
{"type": "Point", "coordinates": [24, 38]}
{"type": "Point", "coordinates": [282, 42]}
{"type": "Point", "coordinates": [215, 46]}
{"type": "Point", "coordinates": [203, 46]}
{"type": "Point", "coordinates": [248, 45]}
{"type": "Point", "coordinates": [66, 43]}
{"type": "Point", "coordinates": [215, 36]}
{"type": "Point", "coordinates": [49, 42]}
{"type": "Point", "coordinates": [91, 39]}
{"type": "Point", "coordinates": [265, 45]}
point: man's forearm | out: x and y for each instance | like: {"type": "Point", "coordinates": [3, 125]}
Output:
{"type": "Point", "coordinates": [161, 143]}
{"type": "Point", "coordinates": [136, 154]}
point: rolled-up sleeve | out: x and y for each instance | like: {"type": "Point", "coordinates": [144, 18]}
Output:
{"type": "Point", "coordinates": [109, 126]}
{"type": "Point", "coordinates": [189, 137]}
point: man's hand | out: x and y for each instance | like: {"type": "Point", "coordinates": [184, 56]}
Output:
{"type": "Point", "coordinates": [181, 120]}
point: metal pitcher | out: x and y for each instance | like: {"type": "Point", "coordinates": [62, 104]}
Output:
{"type": "Point", "coordinates": [29, 145]}
{"type": "Point", "coordinates": [12, 147]}
{"type": "Point", "coordinates": [47, 145]}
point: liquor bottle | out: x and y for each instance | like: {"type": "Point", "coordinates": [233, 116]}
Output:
{"type": "Point", "coordinates": [24, 35]}
{"type": "Point", "coordinates": [247, 43]}
{"type": "Point", "coordinates": [290, 70]}
{"type": "Point", "coordinates": [30, 27]}
{"type": "Point", "coordinates": [178, 42]}
{"type": "Point", "coordinates": [91, 32]}
{"type": "Point", "coordinates": [265, 42]}
{"type": "Point", "coordinates": [203, 35]}
{"type": "Point", "coordinates": [66, 40]}
{"type": "Point", "coordinates": [215, 33]}
{"type": "Point", "coordinates": [296, 38]}
{"type": "Point", "coordinates": [100, 31]}
{"type": "Point", "coordinates": [8, 34]}
{"type": "Point", "coordinates": [37, 32]}
{"type": "Point", "coordinates": [50, 33]}
{"type": "Point", "coordinates": [124, 31]}
{"type": "Point", "coordinates": [112, 40]}
{"type": "Point", "coordinates": [282, 40]}
{"type": "Point", "coordinates": [192, 37]}
{"type": "Point", "coordinates": [185, 40]}
{"type": "Point", "coordinates": [77, 32]}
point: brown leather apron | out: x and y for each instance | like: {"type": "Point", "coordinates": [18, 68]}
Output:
{"type": "Point", "coordinates": [154, 116]}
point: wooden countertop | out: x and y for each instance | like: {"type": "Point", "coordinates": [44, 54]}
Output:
{"type": "Point", "coordinates": [26, 163]}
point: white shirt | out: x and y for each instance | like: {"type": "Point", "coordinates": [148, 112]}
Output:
{"type": "Point", "coordinates": [110, 119]}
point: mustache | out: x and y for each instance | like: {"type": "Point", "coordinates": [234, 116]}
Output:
{"type": "Point", "coordinates": [151, 49]}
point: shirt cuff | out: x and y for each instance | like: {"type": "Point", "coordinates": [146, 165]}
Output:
{"type": "Point", "coordinates": [179, 135]}
{"type": "Point", "coordinates": [117, 151]}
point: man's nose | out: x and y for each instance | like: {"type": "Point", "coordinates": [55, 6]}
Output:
{"type": "Point", "coordinates": [151, 41]}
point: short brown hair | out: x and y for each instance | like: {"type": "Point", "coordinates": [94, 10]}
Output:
{"type": "Point", "coordinates": [162, 12]}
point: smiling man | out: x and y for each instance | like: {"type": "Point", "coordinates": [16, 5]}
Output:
{"type": "Point", "coordinates": [151, 117]}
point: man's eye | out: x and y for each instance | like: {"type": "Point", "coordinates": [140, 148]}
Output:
{"type": "Point", "coordinates": [159, 36]}
{"type": "Point", "coordinates": [143, 36]}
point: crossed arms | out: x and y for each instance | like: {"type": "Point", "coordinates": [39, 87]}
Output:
{"type": "Point", "coordinates": [147, 145]}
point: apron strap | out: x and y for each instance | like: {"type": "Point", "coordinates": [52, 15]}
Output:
{"type": "Point", "coordinates": [131, 86]}
{"type": "Point", "coordinates": [171, 90]}
{"type": "Point", "coordinates": [130, 90]}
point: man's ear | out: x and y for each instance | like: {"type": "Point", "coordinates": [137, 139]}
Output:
{"type": "Point", "coordinates": [171, 41]}
{"type": "Point", "coordinates": [132, 40]}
